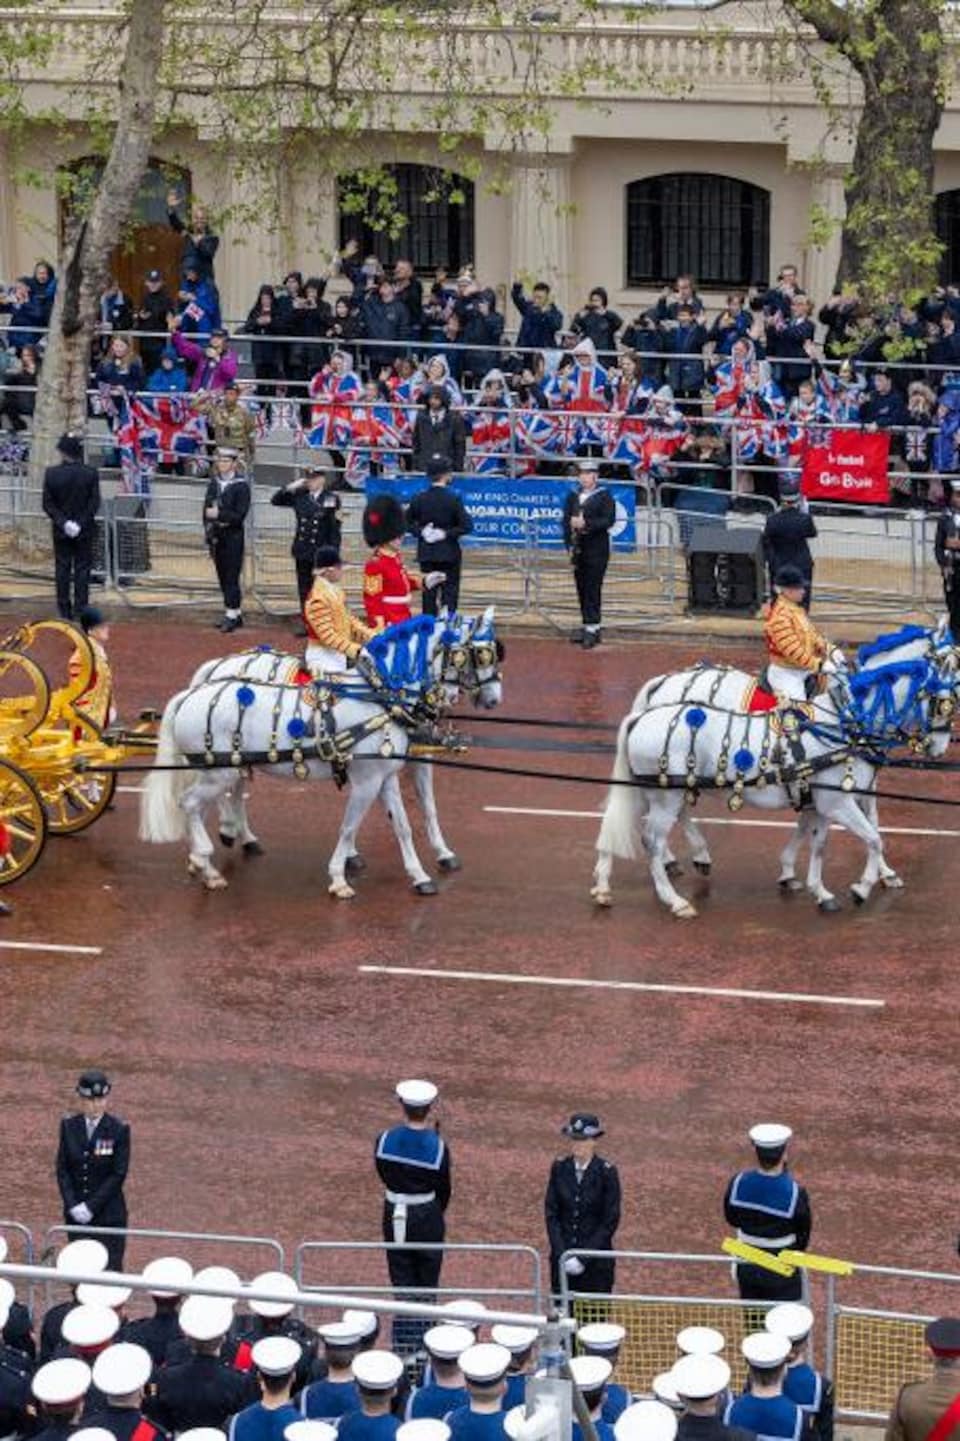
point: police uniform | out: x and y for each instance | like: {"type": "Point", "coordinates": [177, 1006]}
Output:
{"type": "Point", "coordinates": [772, 1212]}
{"type": "Point", "coordinates": [589, 550]}
{"type": "Point", "coordinates": [414, 1166]}
{"type": "Point", "coordinates": [582, 1209]}
{"type": "Point", "coordinates": [71, 497]}
{"type": "Point", "coordinates": [930, 1410]}
{"type": "Point", "coordinates": [388, 587]}
{"type": "Point", "coordinates": [439, 518]}
{"type": "Point", "coordinates": [317, 515]}
{"type": "Point", "coordinates": [786, 534]}
{"type": "Point", "coordinates": [92, 1163]}
{"type": "Point", "coordinates": [230, 494]}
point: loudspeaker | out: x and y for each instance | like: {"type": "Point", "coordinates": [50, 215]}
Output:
{"type": "Point", "coordinates": [725, 569]}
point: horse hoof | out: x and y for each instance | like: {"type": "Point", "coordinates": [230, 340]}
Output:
{"type": "Point", "coordinates": [602, 897]}
{"type": "Point", "coordinates": [829, 905]}
{"type": "Point", "coordinates": [674, 868]}
{"type": "Point", "coordinates": [858, 898]}
{"type": "Point", "coordinates": [354, 865]}
{"type": "Point", "coordinates": [790, 884]}
{"type": "Point", "coordinates": [252, 848]}
{"type": "Point", "coordinates": [685, 912]}
{"type": "Point", "coordinates": [226, 840]}
{"type": "Point", "coordinates": [214, 882]}
{"type": "Point", "coordinates": [426, 888]}
{"type": "Point", "coordinates": [341, 891]}
{"type": "Point", "coordinates": [703, 868]}
{"type": "Point", "coordinates": [892, 883]}
{"type": "Point", "coordinates": [450, 863]}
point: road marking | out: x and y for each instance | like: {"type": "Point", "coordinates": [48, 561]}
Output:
{"type": "Point", "coordinates": [726, 992]}
{"type": "Point", "coordinates": [129, 790]}
{"type": "Point", "coordinates": [50, 946]}
{"type": "Point", "coordinates": [710, 821]}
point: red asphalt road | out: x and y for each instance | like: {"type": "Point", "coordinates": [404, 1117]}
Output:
{"type": "Point", "coordinates": [256, 1061]}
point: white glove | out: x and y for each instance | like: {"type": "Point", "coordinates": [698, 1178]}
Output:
{"type": "Point", "coordinates": [574, 1266]}
{"type": "Point", "coordinates": [432, 533]}
{"type": "Point", "coordinates": [434, 578]}
{"type": "Point", "coordinates": [71, 529]}
{"type": "Point", "coordinates": [838, 659]}
{"type": "Point", "coordinates": [81, 1213]}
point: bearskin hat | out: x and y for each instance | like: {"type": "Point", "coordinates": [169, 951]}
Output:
{"type": "Point", "coordinates": [383, 520]}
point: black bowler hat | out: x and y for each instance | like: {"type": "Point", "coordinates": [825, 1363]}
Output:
{"type": "Point", "coordinates": [583, 1127]}
{"type": "Point", "coordinates": [92, 1085]}
{"type": "Point", "coordinates": [325, 556]}
{"type": "Point", "coordinates": [70, 447]}
{"type": "Point", "coordinates": [943, 1336]}
{"type": "Point", "coordinates": [788, 577]}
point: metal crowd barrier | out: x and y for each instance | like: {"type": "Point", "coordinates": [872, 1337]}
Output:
{"type": "Point", "coordinates": [510, 1272]}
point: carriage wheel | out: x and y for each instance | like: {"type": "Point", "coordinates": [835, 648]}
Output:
{"type": "Point", "coordinates": [22, 711]}
{"type": "Point", "coordinates": [23, 823]}
{"type": "Point", "coordinates": [75, 803]}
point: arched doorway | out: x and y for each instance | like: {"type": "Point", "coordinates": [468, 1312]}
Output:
{"type": "Point", "coordinates": [149, 243]}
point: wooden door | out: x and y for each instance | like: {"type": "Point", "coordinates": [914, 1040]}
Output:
{"type": "Point", "coordinates": [148, 247]}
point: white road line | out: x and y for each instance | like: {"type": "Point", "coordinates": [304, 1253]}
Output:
{"type": "Point", "coordinates": [129, 790]}
{"type": "Point", "coordinates": [726, 992]}
{"type": "Point", "coordinates": [50, 946]}
{"type": "Point", "coordinates": [710, 821]}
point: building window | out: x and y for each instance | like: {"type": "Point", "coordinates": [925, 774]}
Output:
{"type": "Point", "coordinates": [412, 211]}
{"type": "Point", "coordinates": [148, 241]}
{"type": "Point", "coordinates": [948, 232]}
{"type": "Point", "coordinates": [710, 226]}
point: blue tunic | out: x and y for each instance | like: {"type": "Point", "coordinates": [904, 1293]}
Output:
{"type": "Point", "coordinates": [358, 1427]}
{"type": "Point", "coordinates": [329, 1400]}
{"type": "Point", "coordinates": [467, 1425]}
{"type": "Point", "coordinates": [261, 1423]}
{"type": "Point", "coordinates": [435, 1401]}
{"type": "Point", "coordinates": [615, 1401]}
{"type": "Point", "coordinates": [515, 1393]}
{"type": "Point", "coordinates": [603, 1429]}
{"type": "Point", "coordinates": [766, 1416]}
{"type": "Point", "coordinates": [804, 1386]}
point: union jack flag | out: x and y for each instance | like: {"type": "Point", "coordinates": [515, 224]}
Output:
{"type": "Point", "coordinates": [331, 419]}
{"type": "Point", "coordinates": [490, 442]}
{"type": "Point", "coordinates": [375, 443]}
{"type": "Point", "coordinates": [158, 430]}
{"type": "Point", "coordinates": [650, 441]}
{"type": "Point", "coordinates": [583, 390]}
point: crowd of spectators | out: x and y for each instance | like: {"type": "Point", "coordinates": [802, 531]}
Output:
{"type": "Point", "coordinates": [670, 392]}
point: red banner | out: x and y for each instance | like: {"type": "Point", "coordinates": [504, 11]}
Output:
{"type": "Point", "coordinates": [852, 466]}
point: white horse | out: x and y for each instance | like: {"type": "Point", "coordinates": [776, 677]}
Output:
{"type": "Point", "coordinates": [691, 735]}
{"type": "Point", "coordinates": [212, 731]}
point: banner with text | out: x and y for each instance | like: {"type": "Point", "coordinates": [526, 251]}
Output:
{"type": "Point", "coordinates": [851, 466]}
{"type": "Point", "coordinates": [511, 512]}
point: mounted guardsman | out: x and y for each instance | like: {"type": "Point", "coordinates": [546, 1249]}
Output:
{"type": "Point", "coordinates": [334, 635]}
{"type": "Point", "coordinates": [795, 647]}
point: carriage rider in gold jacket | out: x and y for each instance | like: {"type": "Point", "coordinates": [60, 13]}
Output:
{"type": "Point", "coordinates": [796, 649]}
{"type": "Point", "coordinates": [335, 636]}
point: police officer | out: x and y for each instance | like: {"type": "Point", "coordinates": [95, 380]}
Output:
{"type": "Point", "coordinates": [770, 1211]}
{"type": "Point", "coordinates": [786, 534]}
{"type": "Point", "coordinates": [16, 1371]}
{"type": "Point", "coordinates": [120, 1374]}
{"type": "Point", "coordinates": [275, 1359]}
{"type": "Point", "coordinates": [804, 1386]}
{"type": "Point", "coordinates": [59, 1389]}
{"type": "Point", "coordinates": [377, 1374]}
{"type": "Point", "coordinates": [930, 1410]}
{"type": "Point", "coordinates": [700, 1381]}
{"type": "Point", "coordinates": [445, 1390]}
{"type": "Point", "coordinates": [582, 1207]}
{"type": "Point", "coordinates": [92, 1162]}
{"type": "Point", "coordinates": [589, 514]}
{"type": "Point", "coordinates": [413, 1162]}
{"type": "Point", "coordinates": [484, 1370]}
{"type": "Point", "coordinates": [317, 511]}
{"type": "Point", "coordinates": [71, 498]}
{"type": "Point", "coordinates": [439, 518]}
{"type": "Point", "coordinates": [763, 1408]}
{"type": "Point", "coordinates": [202, 1390]}
{"type": "Point", "coordinates": [157, 1333]}
{"type": "Point", "coordinates": [225, 507]}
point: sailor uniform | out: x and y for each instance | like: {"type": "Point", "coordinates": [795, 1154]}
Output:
{"type": "Point", "coordinates": [414, 1166]}
{"type": "Point", "coordinates": [388, 588]}
{"type": "Point", "coordinates": [329, 1400]}
{"type": "Point", "coordinates": [359, 1427]}
{"type": "Point", "coordinates": [469, 1425]}
{"type": "Point", "coordinates": [768, 1417]}
{"type": "Point", "coordinates": [604, 1431]}
{"type": "Point", "coordinates": [516, 1390]}
{"type": "Point", "coordinates": [199, 1392]}
{"type": "Point", "coordinates": [795, 647]}
{"type": "Point", "coordinates": [225, 535]}
{"type": "Point", "coordinates": [709, 1428]}
{"type": "Point", "coordinates": [125, 1423]}
{"type": "Point", "coordinates": [246, 1331]}
{"type": "Point", "coordinates": [589, 548]}
{"type": "Point", "coordinates": [770, 1211]}
{"type": "Point", "coordinates": [616, 1399]}
{"type": "Point", "coordinates": [318, 523]}
{"type": "Point", "coordinates": [262, 1423]}
{"type": "Point", "coordinates": [92, 1166]}
{"type": "Point", "coordinates": [582, 1209]}
{"type": "Point", "coordinates": [334, 635]}
{"type": "Point", "coordinates": [813, 1393]}
{"type": "Point", "coordinates": [435, 1402]}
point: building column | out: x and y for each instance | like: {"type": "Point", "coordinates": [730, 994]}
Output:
{"type": "Point", "coordinates": [252, 248]}
{"type": "Point", "coordinates": [8, 211]}
{"type": "Point", "coordinates": [541, 231]}
{"type": "Point", "coordinates": [820, 261]}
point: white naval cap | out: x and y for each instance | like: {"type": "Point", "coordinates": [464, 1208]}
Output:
{"type": "Point", "coordinates": [646, 1421]}
{"type": "Point", "coordinates": [340, 1333]}
{"type": "Point", "coordinates": [167, 1275]}
{"type": "Point", "coordinates": [4, 1249]}
{"type": "Point", "coordinates": [61, 1382]}
{"type": "Point", "coordinates": [278, 1282]}
{"type": "Point", "coordinates": [770, 1135]}
{"type": "Point", "coordinates": [87, 1326]}
{"type": "Point", "coordinates": [276, 1355]}
{"type": "Point", "coordinates": [448, 1343]}
{"type": "Point", "coordinates": [424, 1428]}
{"type": "Point", "coordinates": [308, 1430]}
{"type": "Point", "coordinates": [122, 1369]}
{"type": "Point", "coordinates": [92, 1433]}
{"type": "Point", "coordinates": [205, 1318]}
{"type": "Point", "coordinates": [484, 1364]}
{"type": "Point", "coordinates": [700, 1341]}
{"type": "Point", "coordinates": [199, 1433]}
{"type": "Point", "coordinates": [221, 1276]}
{"type": "Point", "coordinates": [377, 1370]}
{"type": "Point", "coordinates": [417, 1093]}
{"type": "Point", "coordinates": [366, 1322]}
{"type": "Point", "coordinates": [95, 1293]}
{"type": "Point", "coordinates": [763, 1349]}
{"type": "Point", "coordinates": [85, 1255]}
{"type": "Point", "coordinates": [697, 1378]}
{"type": "Point", "coordinates": [7, 1293]}
{"type": "Point", "coordinates": [590, 1372]}
{"type": "Point", "coordinates": [468, 1312]}
{"type": "Point", "coordinates": [791, 1319]}
{"type": "Point", "coordinates": [664, 1390]}
{"type": "Point", "coordinates": [601, 1336]}
{"type": "Point", "coordinates": [517, 1339]}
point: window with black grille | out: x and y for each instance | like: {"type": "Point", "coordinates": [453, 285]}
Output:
{"type": "Point", "coordinates": [416, 212]}
{"type": "Point", "coordinates": [948, 231]}
{"type": "Point", "coordinates": [710, 226]}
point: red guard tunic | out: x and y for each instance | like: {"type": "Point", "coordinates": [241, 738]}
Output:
{"type": "Point", "coordinates": [387, 588]}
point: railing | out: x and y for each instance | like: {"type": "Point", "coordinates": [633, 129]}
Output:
{"type": "Point", "coordinates": [510, 1273]}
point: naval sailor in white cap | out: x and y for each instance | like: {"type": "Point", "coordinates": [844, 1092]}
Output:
{"type": "Point", "coordinates": [59, 1389]}
{"type": "Point", "coordinates": [378, 1375]}
{"type": "Point", "coordinates": [158, 1332]}
{"type": "Point", "coordinates": [521, 1342]}
{"type": "Point", "coordinates": [86, 1256]}
{"type": "Point", "coordinates": [591, 1374]}
{"type": "Point", "coordinates": [771, 1211]}
{"type": "Point", "coordinates": [336, 1394]}
{"type": "Point", "coordinates": [120, 1375]}
{"type": "Point", "coordinates": [763, 1408]}
{"type": "Point", "coordinates": [484, 1368]}
{"type": "Point", "coordinates": [201, 1390]}
{"type": "Point", "coordinates": [806, 1387]}
{"type": "Point", "coordinates": [413, 1162]}
{"type": "Point", "coordinates": [275, 1360]}
{"type": "Point", "coordinates": [445, 1388]}
{"type": "Point", "coordinates": [701, 1383]}
{"type": "Point", "coordinates": [604, 1338]}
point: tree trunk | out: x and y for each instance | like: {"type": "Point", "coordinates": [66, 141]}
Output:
{"type": "Point", "coordinates": [62, 392]}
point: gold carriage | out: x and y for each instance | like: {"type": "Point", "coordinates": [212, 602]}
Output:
{"type": "Point", "coordinates": [53, 740]}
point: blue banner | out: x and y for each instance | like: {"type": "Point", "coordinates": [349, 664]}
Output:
{"type": "Point", "coordinates": [509, 512]}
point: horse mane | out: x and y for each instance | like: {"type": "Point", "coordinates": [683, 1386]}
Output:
{"type": "Point", "coordinates": [401, 653]}
{"type": "Point", "coordinates": [885, 643]}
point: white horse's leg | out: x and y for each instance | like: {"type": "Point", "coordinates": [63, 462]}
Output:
{"type": "Point", "coordinates": [365, 782]}
{"type": "Point", "coordinates": [392, 802]}
{"type": "Point", "coordinates": [888, 876]}
{"type": "Point", "coordinates": [661, 818]}
{"type": "Point", "coordinates": [851, 816]}
{"type": "Point", "coordinates": [423, 785]}
{"type": "Point", "coordinates": [819, 829]}
{"type": "Point", "coordinates": [697, 841]}
{"type": "Point", "coordinates": [788, 880]}
{"type": "Point", "coordinates": [196, 798]}
{"type": "Point", "coordinates": [235, 820]}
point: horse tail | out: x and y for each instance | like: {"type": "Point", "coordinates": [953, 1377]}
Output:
{"type": "Point", "coordinates": [161, 817]}
{"type": "Point", "coordinates": [625, 802]}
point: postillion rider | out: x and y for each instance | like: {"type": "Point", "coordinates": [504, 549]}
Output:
{"type": "Point", "coordinates": [335, 636]}
{"type": "Point", "coordinates": [796, 650]}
